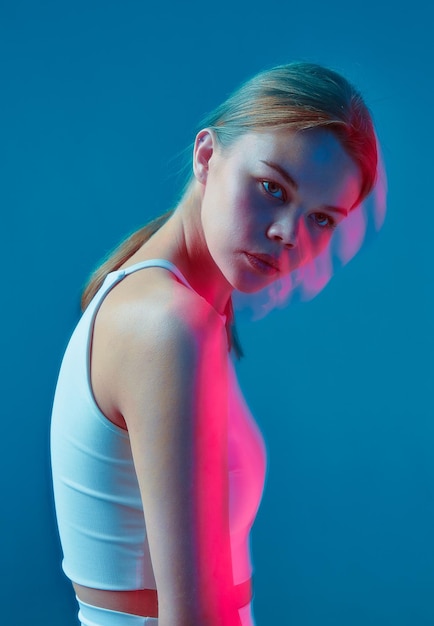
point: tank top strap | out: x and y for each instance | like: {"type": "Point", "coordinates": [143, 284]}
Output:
{"type": "Point", "coordinates": [167, 265]}
{"type": "Point", "coordinates": [117, 275]}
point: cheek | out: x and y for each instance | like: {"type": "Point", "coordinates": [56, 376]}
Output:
{"type": "Point", "coordinates": [311, 243]}
{"type": "Point", "coordinates": [321, 242]}
{"type": "Point", "coordinates": [233, 214]}
{"type": "Point", "coordinates": [241, 213]}
{"type": "Point", "coordinates": [252, 210]}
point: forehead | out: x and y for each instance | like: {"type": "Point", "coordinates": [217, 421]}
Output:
{"type": "Point", "coordinates": [315, 158]}
{"type": "Point", "coordinates": [307, 148]}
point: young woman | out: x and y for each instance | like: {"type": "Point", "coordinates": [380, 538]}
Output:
{"type": "Point", "coordinates": [158, 467]}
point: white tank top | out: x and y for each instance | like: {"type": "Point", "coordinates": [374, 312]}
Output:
{"type": "Point", "coordinates": [97, 497]}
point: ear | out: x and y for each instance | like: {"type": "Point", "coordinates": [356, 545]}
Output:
{"type": "Point", "coordinates": [204, 147]}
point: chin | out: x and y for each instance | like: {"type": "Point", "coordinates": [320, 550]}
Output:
{"type": "Point", "coordinates": [251, 285]}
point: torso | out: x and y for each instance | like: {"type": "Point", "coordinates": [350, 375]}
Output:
{"type": "Point", "coordinates": [142, 602]}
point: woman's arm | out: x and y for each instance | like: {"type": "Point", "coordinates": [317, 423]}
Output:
{"type": "Point", "coordinates": [172, 392]}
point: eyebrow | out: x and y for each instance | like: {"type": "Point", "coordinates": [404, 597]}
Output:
{"type": "Point", "coordinates": [291, 181]}
{"type": "Point", "coordinates": [282, 172]}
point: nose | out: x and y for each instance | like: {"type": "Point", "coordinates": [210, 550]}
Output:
{"type": "Point", "coordinates": [283, 231]}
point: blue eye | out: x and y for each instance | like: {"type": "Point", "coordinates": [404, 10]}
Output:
{"type": "Point", "coordinates": [273, 189]}
{"type": "Point", "coordinates": [323, 221]}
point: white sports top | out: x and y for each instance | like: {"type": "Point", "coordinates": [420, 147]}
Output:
{"type": "Point", "coordinates": [97, 497]}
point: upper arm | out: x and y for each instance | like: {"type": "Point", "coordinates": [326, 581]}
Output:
{"type": "Point", "coordinates": [172, 392]}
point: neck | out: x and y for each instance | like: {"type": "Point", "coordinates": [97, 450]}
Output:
{"type": "Point", "coordinates": [181, 240]}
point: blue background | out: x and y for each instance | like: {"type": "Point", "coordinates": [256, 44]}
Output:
{"type": "Point", "coordinates": [97, 100]}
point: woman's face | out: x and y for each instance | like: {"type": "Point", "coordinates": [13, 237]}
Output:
{"type": "Point", "coordinates": [271, 201]}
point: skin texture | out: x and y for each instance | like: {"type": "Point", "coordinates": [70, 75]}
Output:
{"type": "Point", "coordinates": [159, 350]}
{"type": "Point", "coordinates": [241, 213]}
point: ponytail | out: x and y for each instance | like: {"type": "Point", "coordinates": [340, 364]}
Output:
{"type": "Point", "coordinates": [122, 253]}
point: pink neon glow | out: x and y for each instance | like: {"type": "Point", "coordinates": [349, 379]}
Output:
{"type": "Point", "coordinates": [305, 282]}
{"type": "Point", "coordinates": [230, 466]}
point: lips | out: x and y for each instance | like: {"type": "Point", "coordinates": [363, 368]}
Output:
{"type": "Point", "coordinates": [264, 262]}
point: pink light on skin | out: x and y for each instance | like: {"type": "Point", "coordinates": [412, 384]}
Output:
{"type": "Point", "coordinates": [219, 461]}
{"type": "Point", "coordinates": [232, 494]}
{"type": "Point", "coordinates": [306, 281]}
{"type": "Point", "coordinates": [221, 468]}
{"type": "Point", "coordinates": [274, 196]}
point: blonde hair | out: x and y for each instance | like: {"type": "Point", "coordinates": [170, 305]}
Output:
{"type": "Point", "coordinates": [297, 96]}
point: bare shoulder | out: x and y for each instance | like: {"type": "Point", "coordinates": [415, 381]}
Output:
{"type": "Point", "coordinates": [150, 327]}
{"type": "Point", "coordinates": [152, 307]}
